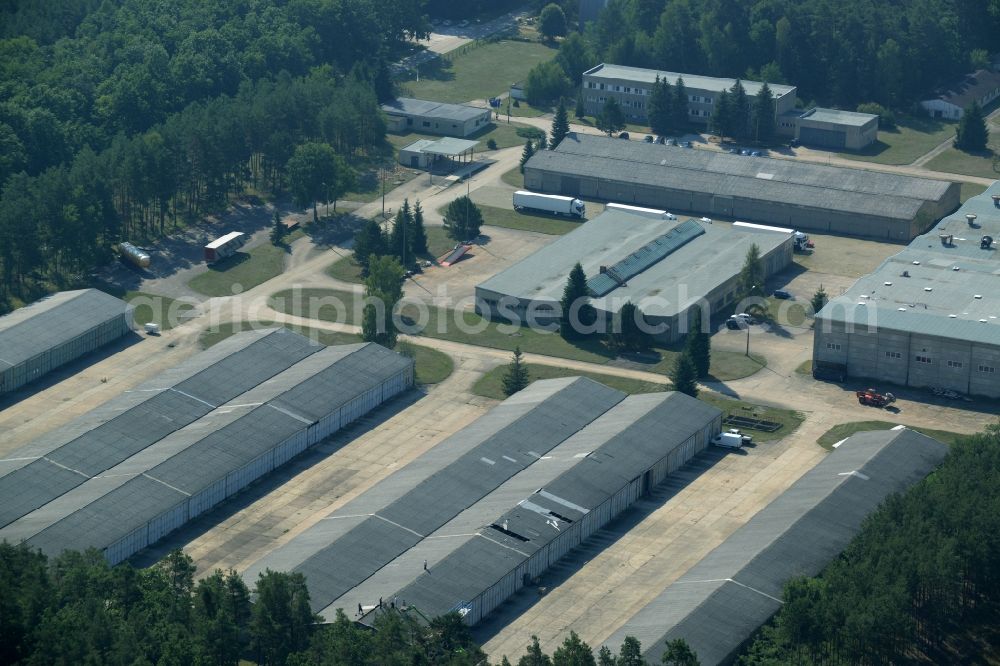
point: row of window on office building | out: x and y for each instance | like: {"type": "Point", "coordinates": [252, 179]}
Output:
{"type": "Point", "coordinates": [628, 90]}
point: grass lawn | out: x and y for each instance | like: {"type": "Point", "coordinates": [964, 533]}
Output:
{"type": "Point", "coordinates": [845, 430]}
{"type": "Point", "coordinates": [525, 110]}
{"type": "Point", "coordinates": [511, 219]}
{"type": "Point", "coordinates": [432, 366]}
{"type": "Point", "coordinates": [479, 73]}
{"type": "Point", "coordinates": [490, 385]}
{"type": "Point", "coordinates": [954, 160]}
{"type": "Point", "coordinates": [348, 270]}
{"type": "Point", "coordinates": [400, 176]}
{"type": "Point", "coordinates": [167, 312]}
{"type": "Point", "coordinates": [443, 323]}
{"type": "Point", "coordinates": [244, 270]}
{"type": "Point", "coordinates": [514, 178]}
{"type": "Point", "coordinates": [789, 419]}
{"type": "Point", "coordinates": [970, 190]}
{"type": "Point", "coordinates": [912, 137]}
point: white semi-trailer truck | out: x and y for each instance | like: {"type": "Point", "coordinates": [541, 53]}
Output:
{"type": "Point", "coordinates": [549, 203]}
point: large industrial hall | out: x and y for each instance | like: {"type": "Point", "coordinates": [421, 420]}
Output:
{"type": "Point", "coordinates": [663, 267]}
{"type": "Point", "coordinates": [493, 506]}
{"type": "Point", "coordinates": [801, 195]}
{"type": "Point", "coordinates": [723, 599]}
{"type": "Point", "coordinates": [927, 317]}
{"type": "Point", "coordinates": [150, 460]}
{"type": "Point", "coordinates": [56, 330]}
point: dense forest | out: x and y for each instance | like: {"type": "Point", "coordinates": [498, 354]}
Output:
{"type": "Point", "coordinates": [838, 52]}
{"type": "Point", "coordinates": [116, 117]}
{"type": "Point", "coordinates": [921, 581]}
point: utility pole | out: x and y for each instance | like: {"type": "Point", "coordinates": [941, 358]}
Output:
{"type": "Point", "coordinates": [382, 173]}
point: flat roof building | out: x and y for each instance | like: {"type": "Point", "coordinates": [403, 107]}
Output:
{"type": "Point", "coordinates": [407, 114]}
{"type": "Point", "coordinates": [663, 267]}
{"type": "Point", "coordinates": [927, 316]}
{"type": "Point", "coordinates": [58, 329]}
{"type": "Point", "coordinates": [464, 525]}
{"type": "Point", "coordinates": [833, 128]}
{"type": "Point", "coordinates": [720, 602]}
{"type": "Point", "coordinates": [235, 414]}
{"type": "Point", "coordinates": [425, 153]}
{"type": "Point", "coordinates": [632, 86]}
{"type": "Point", "coordinates": [788, 193]}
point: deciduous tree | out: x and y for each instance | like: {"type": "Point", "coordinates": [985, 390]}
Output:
{"type": "Point", "coordinates": [462, 219]}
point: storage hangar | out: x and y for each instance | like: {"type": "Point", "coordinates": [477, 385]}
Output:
{"type": "Point", "coordinates": [56, 330]}
{"type": "Point", "coordinates": [435, 534]}
{"type": "Point", "coordinates": [494, 448]}
{"type": "Point", "coordinates": [131, 498]}
{"type": "Point", "coordinates": [927, 316]}
{"type": "Point", "coordinates": [418, 115]}
{"type": "Point", "coordinates": [720, 602]}
{"type": "Point", "coordinates": [628, 450]}
{"type": "Point", "coordinates": [665, 267]}
{"type": "Point", "coordinates": [802, 195]}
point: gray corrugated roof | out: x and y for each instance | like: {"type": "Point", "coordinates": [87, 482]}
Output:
{"type": "Point", "coordinates": [701, 265]}
{"type": "Point", "coordinates": [971, 87]}
{"type": "Point", "coordinates": [223, 442]}
{"type": "Point", "coordinates": [450, 147]}
{"type": "Point", "coordinates": [792, 182]}
{"type": "Point", "coordinates": [691, 81]}
{"type": "Point", "coordinates": [425, 108]}
{"type": "Point", "coordinates": [55, 320]}
{"type": "Point", "coordinates": [649, 254]}
{"type": "Point", "coordinates": [516, 434]}
{"type": "Point", "coordinates": [718, 603]}
{"type": "Point", "coordinates": [624, 442]}
{"type": "Point", "coordinates": [166, 410]}
{"type": "Point", "coordinates": [925, 300]}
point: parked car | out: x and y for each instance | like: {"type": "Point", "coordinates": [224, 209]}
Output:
{"type": "Point", "coordinates": [745, 152]}
{"type": "Point", "coordinates": [706, 220]}
{"type": "Point", "coordinates": [736, 324]}
{"type": "Point", "coordinates": [623, 135]}
{"type": "Point", "coordinates": [794, 143]}
{"type": "Point", "coordinates": [782, 294]}
{"type": "Point", "coordinates": [661, 140]}
{"type": "Point", "coordinates": [745, 317]}
{"type": "Point", "coordinates": [685, 144]}
{"type": "Point", "coordinates": [755, 153]}
{"type": "Point", "coordinates": [670, 142]}
{"type": "Point", "coordinates": [648, 138]}
{"type": "Point", "coordinates": [670, 216]}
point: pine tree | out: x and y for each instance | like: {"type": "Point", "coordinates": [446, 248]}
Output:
{"type": "Point", "coordinates": [418, 237]}
{"type": "Point", "coordinates": [819, 299]}
{"type": "Point", "coordinates": [277, 229]}
{"type": "Point", "coordinates": [661, 107]}
{"type": "Point", "coordinates": [534, 655]}
{"type": "Point", "coordinates": [629, 329]}
{"type": "Point", "coordinates": [611, 119]}
{"type": "Point", "coordinates": [575, 294]}
{"type": "Point", "coordinates": [722, 115]}
{"type": "Point", "coordinates": [399, 238]}
{"type": "Point", "coordinates": [684, 375]}
{"type": "Point", "coordinates": [740, 111]}
{"type": "Point", "coordinates": [529, 151]}
{"type": "Point", "coordinates": [462, 219]}
{"type": "Point", "coordinates": [698, 344]}
{"type": "Point", "coordinates": [516, 376]}
{"type": "Point", "coordinates": [679, 653]}
{"type": "Point", "coordinates": [573, 652]}
{"type": "Point", "coordinates": [763, 114]}
{"type": "Point", "coordinates": [604, 657]}
{"type": "Point", "coordinates": [972, 134]}
{"type": "Point", "coordinates": [680, 105]}
{"type": "Point", "coordinates": [369, 242]}
{"type": "Point", "coordinates": [750, 282]}
{"type": "Point", "coordinates": [630, 653]}
{"type": "Point", "coordinates": [560, 126]}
